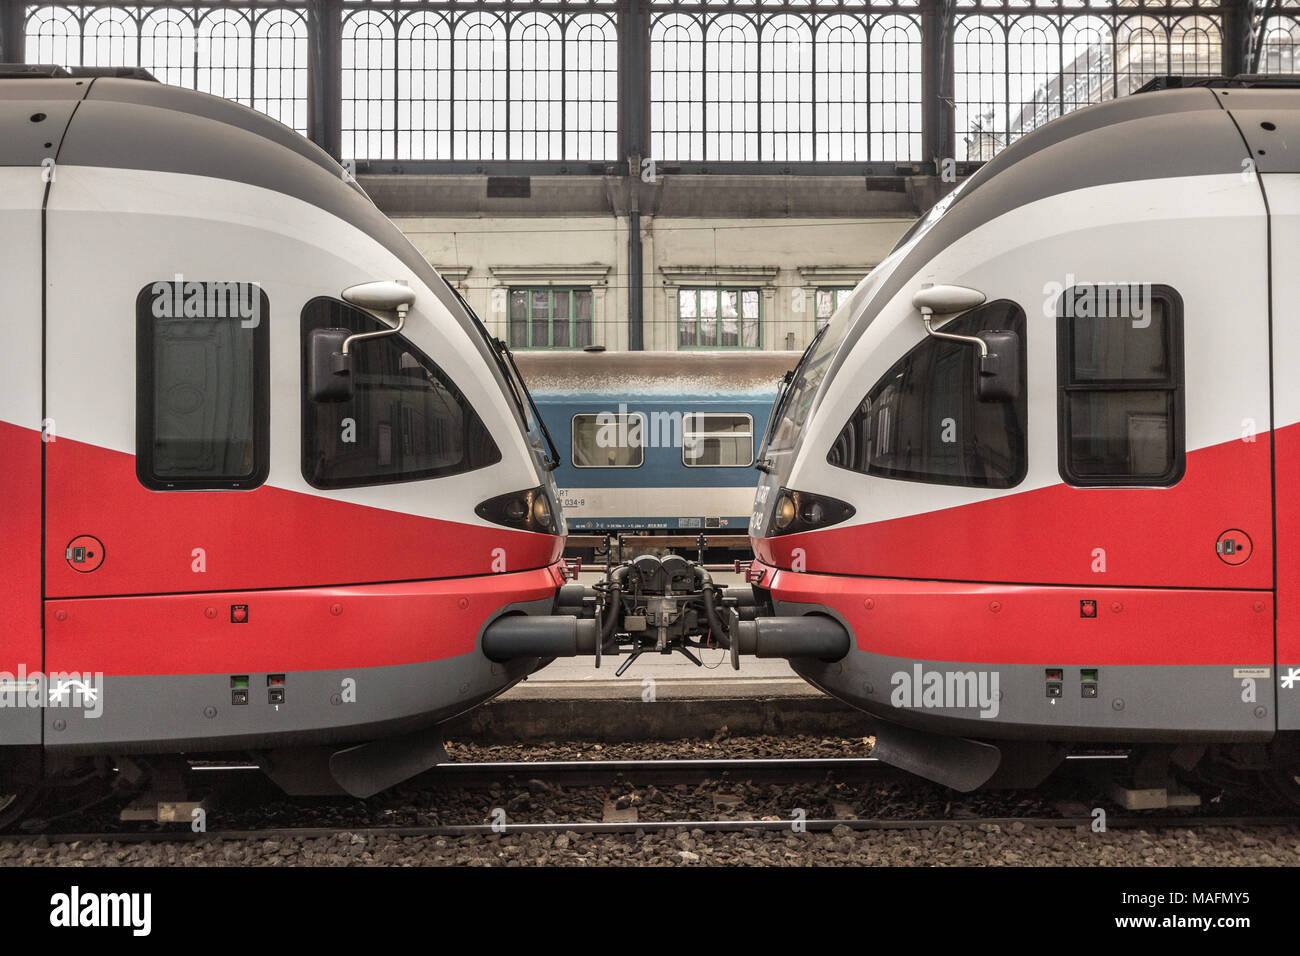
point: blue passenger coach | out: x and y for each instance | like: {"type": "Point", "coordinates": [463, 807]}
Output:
{"type": "Point", "coordinates": [656, 441]}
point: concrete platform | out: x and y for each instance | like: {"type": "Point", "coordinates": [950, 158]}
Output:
{"type": "Point", "coordinates": [645, 687]}
{"type": "Point", "coordinates": [664, 670]}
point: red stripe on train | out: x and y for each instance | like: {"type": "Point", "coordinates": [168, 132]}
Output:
{"type": "Point", "coordinates": [20, 546]}
{"type": "Point", "coordinates": [265, 538]}
{"type": "Point", "coordinates": [294, 630]}
{"type": "Point", "coordinates": [1007, 624]}
{"type": "Point", "coordinates": [1287, 466]}
{"type": "Point", "coordinates": [1159, 537]}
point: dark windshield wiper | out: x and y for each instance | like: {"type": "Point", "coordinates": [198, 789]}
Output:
{"type": "Point", "coordinates": [553, 461]}
{"type": "Point", "coordinates": [516, 382]}
{"type": "Point", "coordinates": [762, 462]}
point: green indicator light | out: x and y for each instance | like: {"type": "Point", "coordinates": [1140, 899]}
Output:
{"type": "Point", "coordinates": [239, 683]}
{"type": "Point", "coordinates": [1089, 675]}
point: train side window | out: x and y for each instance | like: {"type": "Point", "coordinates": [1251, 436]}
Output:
{"type": "Point", "coordinates": [202, 386]}
{"type": "Point", "coordinates": [406, 420]}
{"type": "Point", "coordinates": [924, 422]}
{"type": "Point", "coordinates": [1121, 392]}
{"type": "Point", "coordinates": [711, 440]}
{"type": "Point", "coordinates": [609, 440]}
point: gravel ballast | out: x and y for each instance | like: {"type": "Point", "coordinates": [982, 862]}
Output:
{"type": "Point", "coordinates": [982, 845]}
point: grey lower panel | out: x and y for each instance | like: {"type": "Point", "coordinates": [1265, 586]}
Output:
{"type": "Point", "coordinates": [1288, 700]}
{"type": "Point", "coordinates": [18, 725]}
{"type": "Point", "coordinates": [1011, 701]}
{"type": "Point", "coordinates": [196, 712]}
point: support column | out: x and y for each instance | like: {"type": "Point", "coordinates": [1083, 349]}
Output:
{"type": "Point", "coordinates": [1236, 30]}
{"type": "Point", "coordinates": [766, 306]}
{"type": "Point", "coordinates": [937, 134]}
{"type": "Point", "coordinates": [633, 82]}
{"type": "Point", "coordinates": [12, 41]}
{"type": "Point", "coordinates": [599, 334]}
{"type": "Point", "coordinates": [325, 75]}
{"type": "Point", "coordinates": [635, 280]}
{"type": "Point", "coordinates": [634, 143]}
{"type": "Point", "coordinates": [663, 332]}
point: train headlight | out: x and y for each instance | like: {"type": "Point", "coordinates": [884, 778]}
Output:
{"type": "Point", "coordinates": [798, 511]}
{"type": "Point", "coordinates": [785, 512]}
{"type": "Point", "coordinates": [529, 510]}
{"type": "Point", "coordinates": [541, 511]}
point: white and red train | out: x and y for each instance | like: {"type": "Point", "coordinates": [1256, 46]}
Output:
{"type": "Point", "coordinates": [270, 487]}
{"type": "Point", "coordinates": [266, 479]}
{"type": "Point", "coordinates": [1093, 533]}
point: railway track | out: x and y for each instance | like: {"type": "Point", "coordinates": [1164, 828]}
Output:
{"type": "Point", "coordinates": [184, 835]}
{"type": "Point", "coordinates": [661, 773]}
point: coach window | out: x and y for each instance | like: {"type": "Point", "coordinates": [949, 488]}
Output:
{"type": "Point", "coordinates": [923, 420]}
{"type": "Point", "coordinates": [202, 386]}
{"type": "Point", "coordinates": [609, 440]}
{"type": "Point", "coordinates": [717, 441]}
{"type": "Point", "coordinates": [405, 421]}
{"type": "Point", "coordinates": [1120, 375]}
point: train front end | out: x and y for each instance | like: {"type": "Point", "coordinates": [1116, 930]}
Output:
{"type": "Point", "coordinates": [287, 480]}
{"type": "Point", "coordinates": [1027, 465]}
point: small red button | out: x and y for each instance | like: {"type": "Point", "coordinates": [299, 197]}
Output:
{"type": "Point", "coordinates": [238, 613]}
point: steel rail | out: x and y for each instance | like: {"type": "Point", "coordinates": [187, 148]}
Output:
{"type": "Point", "coordinates": [644, 826]}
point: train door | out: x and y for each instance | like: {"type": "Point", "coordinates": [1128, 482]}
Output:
{"type": "Point", "coordinates": [1283, 192]}
{"type": "Point", "coordinates": [22, 191]}
{"type": "Point", "coordinates": [157, 357]}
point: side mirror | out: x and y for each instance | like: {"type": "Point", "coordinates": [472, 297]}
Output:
{"type": "Point", "coordinates": [946, 299]}
{"type": "Point", "coordinates": [329, 368]}
{"type": "Point", "coordinates": [999, 367]}
{"type": "Point", "coordinates": [385, 295]}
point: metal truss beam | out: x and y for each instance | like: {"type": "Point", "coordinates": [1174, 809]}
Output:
{"type": "Point", "coordinates": [1242, 24]}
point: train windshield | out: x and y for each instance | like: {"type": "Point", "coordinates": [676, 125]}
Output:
{"type": "Point", "coordinates": [795, 402]}
{"type": "Point", "coordinates": [505, 360]}
{"type": "Point", "coordinates": [796, 399]}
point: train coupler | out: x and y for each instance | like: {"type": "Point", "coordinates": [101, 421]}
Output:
{"type": "Point", "coordinates": [664, 606]}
